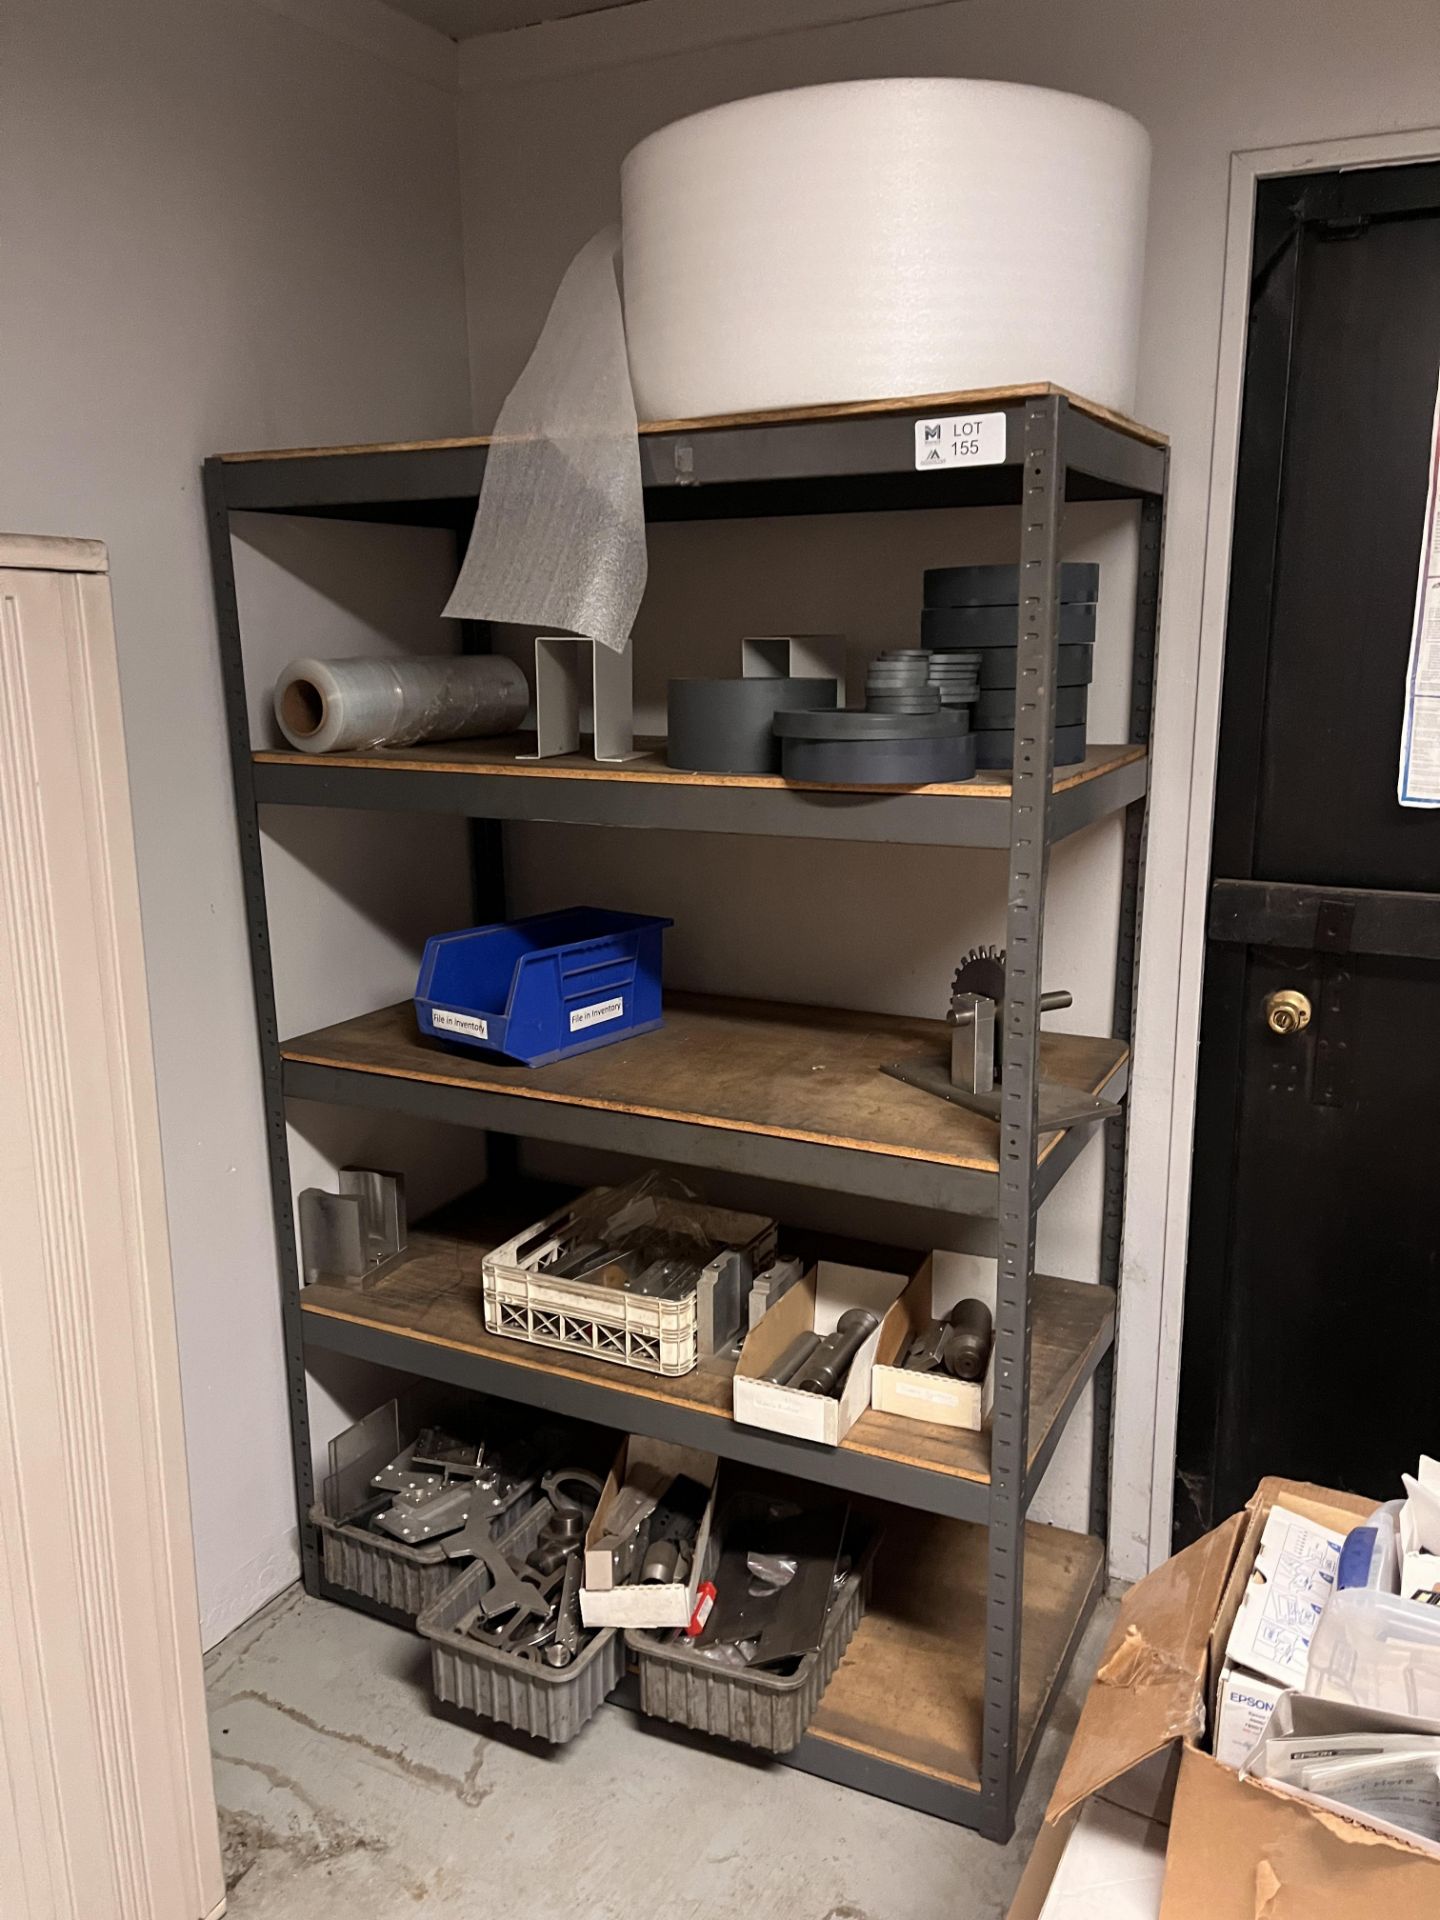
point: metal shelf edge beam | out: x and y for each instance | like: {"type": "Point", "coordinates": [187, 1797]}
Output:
{"type": "Point", "coordinates": [877, 1176]}
{"type": "Point", "coordinates": [902, 819]}
{"type": "Point", "coordinates": [631, 1412]}
{"type": "Point", "coordinates": [783, 452]}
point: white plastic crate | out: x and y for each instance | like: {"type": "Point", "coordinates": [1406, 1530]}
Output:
{"type": "Point", "coordinates": [654, 1336]}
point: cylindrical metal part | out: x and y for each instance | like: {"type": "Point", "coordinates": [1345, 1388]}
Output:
{"type": "Point", "coordinates": [976, 629]}
{"type": "Point", "coordinates": [995, 747]}
{"type": "Point", "coordinates": [827, 1366]}
{"type": "Point", "coordinates": [792, 1359]}
{"type": "Point", "coordinates": [998, 586]}
{"type": "Point", "coordinates": [1049, 1003]}
{"type": "Point", "coordinates": [660, 1562]}
{"type": "Point", "coordinates": [965, 1349]}
{"type": "Point", "coordinates": [725, 726]}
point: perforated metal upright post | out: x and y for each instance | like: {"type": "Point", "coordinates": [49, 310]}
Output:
{"type": "Point", "coordinates": [1041, 505]}
{"type": "Point", "coordinates": [1127, 946]}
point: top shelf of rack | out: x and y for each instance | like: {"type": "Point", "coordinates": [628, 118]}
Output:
{"type": "Point", "coordinates": [849, 456]}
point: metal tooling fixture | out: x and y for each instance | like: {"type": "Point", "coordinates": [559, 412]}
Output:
{"type": "Point", "coordinates": [351, 1237]}
{"type": "Point", "coordinates": [968, 1076]}
{"type": "Point", "coordinates": [812, 463]}
{"type": "Point", "coordinates": [560, 661]}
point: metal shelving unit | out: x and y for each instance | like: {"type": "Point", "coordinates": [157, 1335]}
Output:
{"type": "Point", "coordinates": [955, 1739]}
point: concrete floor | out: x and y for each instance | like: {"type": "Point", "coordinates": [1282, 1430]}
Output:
{"type": "Point", "coordinates": [343, 1797]}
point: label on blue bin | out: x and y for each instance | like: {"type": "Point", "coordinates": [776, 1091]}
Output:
{"type": "Point", "coordinates": [470, 1024]}
{"type": "Point", "coordinates": [598, 1014]}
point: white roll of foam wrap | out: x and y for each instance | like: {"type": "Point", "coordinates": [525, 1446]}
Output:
{"type": "Point", "coordinates": [882, 238]}
{"type": "Point", "coordinates": [330, 706]}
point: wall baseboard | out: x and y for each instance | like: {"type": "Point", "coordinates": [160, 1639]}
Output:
{"type": "Point", "coordinates": [252, 1586]}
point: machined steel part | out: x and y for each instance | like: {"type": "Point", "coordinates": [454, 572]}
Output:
{"type": "Point", "coordinates": [828, 1365]}
{"type": "Point", "coordinates": [965, 1344]}
{"type": "Point", "coordinates": [782, 1371]}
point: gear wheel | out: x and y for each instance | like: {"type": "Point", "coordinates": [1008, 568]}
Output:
{"type": "Point", "coordinates": [981, 971]}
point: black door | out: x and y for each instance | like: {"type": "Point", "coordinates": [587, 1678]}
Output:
{"type": "Point", "coordinates": [1312, 1311]}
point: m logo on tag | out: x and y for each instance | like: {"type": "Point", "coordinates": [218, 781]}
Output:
{"type": "Point", "coordinates": [960, 440]}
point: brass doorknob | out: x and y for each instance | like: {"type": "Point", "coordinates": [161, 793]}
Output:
{"type": "Point", "coordinates": [1287, 1011]}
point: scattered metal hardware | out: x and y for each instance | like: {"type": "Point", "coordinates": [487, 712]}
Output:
{"type": "Point", "coordinates": [959, 1343]}
{"type": "Point", "coordinates": [531, 1607]}
{"type": "Point", "coordinates": [825, 1370]}
{"type": "Point", "coordinates": [968, 1077]}
{"type": "Point", "coordinates": [650, 1533]}
{"type": "Point", "coordinates": [351, 1237]}
{"type": "Point", "coordinates": [784, 1370]}
{"type": "Point", "coordinates": [436, 1451]}
{"type": "Point", "coordinates": [774, 1575]}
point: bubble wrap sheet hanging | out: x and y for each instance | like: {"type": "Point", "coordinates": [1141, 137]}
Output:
{"type": "Point", "coordinates": [559, 538]}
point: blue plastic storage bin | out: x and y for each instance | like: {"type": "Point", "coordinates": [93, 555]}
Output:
{"type": "Point", "coordinates": [542, 989]}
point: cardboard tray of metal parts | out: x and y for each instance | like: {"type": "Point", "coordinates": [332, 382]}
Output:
{"type": "Point", "coordinates": [1235, 1848]}
{"type": "Point", "coordinates": [756, 1709]}
{"type": "Point", "coordinates": [552, 1703]}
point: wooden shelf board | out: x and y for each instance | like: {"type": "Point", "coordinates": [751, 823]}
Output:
{"type": "Point", "coordinates": [911, 1687]}
{"type": "Point", "coordinates": [833, 410]}
{"type": "Point", "coordinates": [434, 1297]}
{"type": "Point", "coordinates": [788, 1072]}
{"type": "Point", "coordinates": [501, 758]}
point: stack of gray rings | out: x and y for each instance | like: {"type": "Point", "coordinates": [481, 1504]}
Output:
{"type": "Point", "coordinates": [976, 610]}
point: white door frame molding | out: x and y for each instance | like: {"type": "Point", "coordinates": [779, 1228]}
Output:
{"type": "Point", "coordinates": [1247, 169]}
{"type": "Point", "coordinates": [107, 1806]}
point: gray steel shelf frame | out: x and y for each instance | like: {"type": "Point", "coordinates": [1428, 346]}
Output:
{"type": "Point", "coordinates": [841, 464]}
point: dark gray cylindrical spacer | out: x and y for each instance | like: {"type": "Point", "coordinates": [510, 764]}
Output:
{"type": "Point", "coordinates": [1074, 667]}
{"type": "Point", "coordinates": [881, 763]}
{"type": "Point", "coordinates": [995, 746]}
{"type": "Point", "coordinates": [724, 726]}
{"type": "Point", "coordinates": [997, 709]}
{"type": "Point", "coordinates": [854, 723]}
{"type": "Point", "coordinates": [1000, 586]}
{"type": "Point", "coordinates": [976, 628]}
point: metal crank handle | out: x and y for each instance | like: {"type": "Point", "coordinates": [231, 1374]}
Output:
{"type": "Point", "coordinates": [1049, 1003]}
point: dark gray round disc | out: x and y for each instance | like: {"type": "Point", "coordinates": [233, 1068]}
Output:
{"type": "Point", "coordinates": [975, 629]}
{"type": "Point", "coordinates": [1000, 586]}
{"type": "Point", "coordinates": [998, 709]}
{"type": "Point", "coordinates": [1074, 667]}
{"type": "Point", "coordinates": [995, 746]}
{"type": "Point", "coordinates": [848, 723]}
{"type": "Point", "coordinates": [725, 726]}
{"type": "Point", "coordinates": [880, 763]}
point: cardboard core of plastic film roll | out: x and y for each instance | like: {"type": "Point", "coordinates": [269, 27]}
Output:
{"type": "Point", "coordinates": [334, 706]}
{"type": "Point", "coordinates": [882, 238]}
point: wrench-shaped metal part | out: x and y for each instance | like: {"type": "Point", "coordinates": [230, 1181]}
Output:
{"type": "Point", "coordinates": [550, 1486]}
{"type": "Point", "coordinates": [507, 1589]}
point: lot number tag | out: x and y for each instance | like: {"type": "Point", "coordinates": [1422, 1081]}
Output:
{"type": "Point", "coordinates": [960, 440]}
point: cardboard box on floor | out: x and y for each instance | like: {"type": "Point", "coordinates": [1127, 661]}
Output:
{"type": "Point", "coordinates": [1237, 1849]}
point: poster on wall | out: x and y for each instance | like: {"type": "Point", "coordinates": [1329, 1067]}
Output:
{"type": "Point", "coordinates": [1420, 734]}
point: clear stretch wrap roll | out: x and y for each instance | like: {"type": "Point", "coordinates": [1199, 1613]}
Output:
{"type": "Point", "coordinates": [879, 238]}
{"type": "Point", "coordinates": [330, 706]}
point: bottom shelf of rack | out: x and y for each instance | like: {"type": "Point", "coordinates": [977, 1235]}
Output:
{"type": "Point", "coordinates": [903, 1718]}
{"type": "Point", "coordinates": [910, 1692]}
